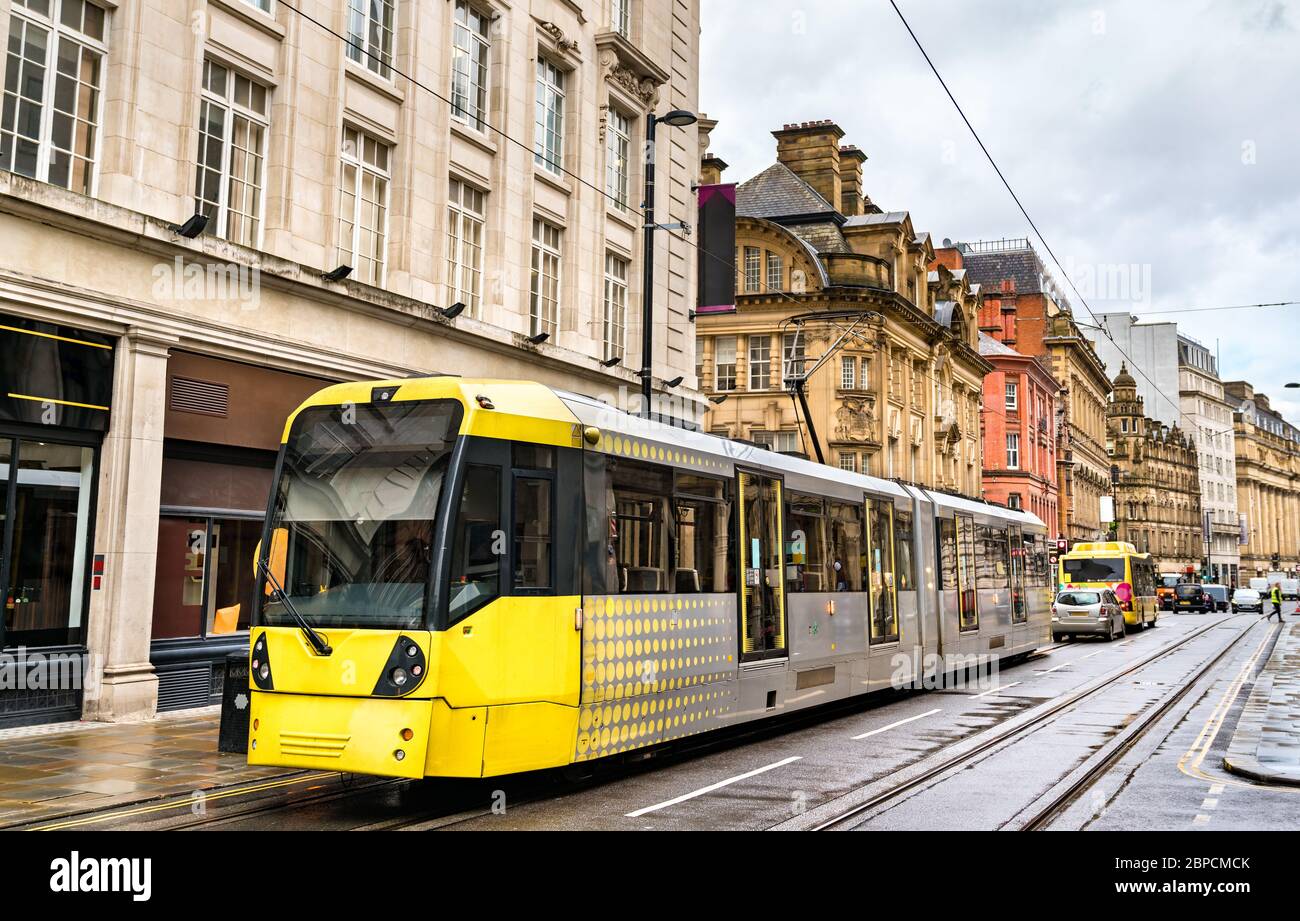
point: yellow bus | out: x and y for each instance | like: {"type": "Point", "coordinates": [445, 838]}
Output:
{"type": "Point", "coordinates": [1118, 566]}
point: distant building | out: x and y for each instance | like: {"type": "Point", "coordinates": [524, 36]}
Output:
{"type": "Point", "coordinates": [900, 397]}
{"type": "Point", "coordinates": [1178, 380]}
{"type": "Point", "coordinates": [1268, 483]}
{"type": "Point", "coordinates": [1023, 309]}
{"type": "Point", "coordinates": [1018, 423]}
{"type": "Point", "coordinates": [1157, 486]}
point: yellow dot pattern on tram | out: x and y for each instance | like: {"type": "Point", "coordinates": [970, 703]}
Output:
{"type": "Point", "coordinates": [641, 449]}
{"type": "Point", "coordinates": [654, 668]}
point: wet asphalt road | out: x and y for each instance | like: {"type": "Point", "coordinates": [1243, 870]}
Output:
{"type": "Point", "coordinates": [1171, 779]}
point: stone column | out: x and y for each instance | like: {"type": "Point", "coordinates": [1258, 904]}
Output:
{"type": "Point", "coordinates": [130, 482]}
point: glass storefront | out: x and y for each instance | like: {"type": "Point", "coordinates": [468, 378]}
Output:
{"type": "Point", "coordinates": [204, 584]}
{"type": "Point", "coordinates": [46, 488]}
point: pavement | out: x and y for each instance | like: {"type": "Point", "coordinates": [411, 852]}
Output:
{"type": "Point", "coordinates": [62, 769]}
{"type": "Point", "coordinates": [1266, 744]}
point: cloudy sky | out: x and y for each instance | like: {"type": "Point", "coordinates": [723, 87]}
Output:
{"type": "Point", "coordinates": [1161, 137]}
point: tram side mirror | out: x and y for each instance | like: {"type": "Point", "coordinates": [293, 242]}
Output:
{"type": "Point", "coordinates": [275, 559]}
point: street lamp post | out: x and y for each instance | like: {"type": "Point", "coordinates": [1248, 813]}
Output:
{"type": "Point", "coordinates": [677, 119]}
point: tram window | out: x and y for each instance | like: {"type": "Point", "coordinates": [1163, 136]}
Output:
{"type": "Point", "coordinates": [1016, 554]}
{"type": "Point", "coordinates": [848, 550]}
{"type": "Point", "coordinates": [533, 534]}
{"type": "Point", "coordinates": [903, 549]}
{"type": "Point", "coordinates": [884, 607]}
{"type": "Point", "coordinates": [600, 562]}
{"type": "Point", "coordinates": [993, 573]}
{"type": "Point", "coordinates": [477, 543]}
{"type": "Point", "coordinates": [805, 545]}
{"type": "Point", "coordinates": [533, 457]}
{"type": "Point", "coordinates": [640, 526]}
{"type": "Point", "coordinates": [947, 528]}
{"type": "Point", "coordinates": [702, 545]}
{"type": "Point", "coordinates": [968, 618]}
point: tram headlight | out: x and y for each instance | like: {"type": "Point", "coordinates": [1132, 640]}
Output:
{"type": "Point", "coordinates": [264, 672]}
{"type": "Point", "coordinates": [404, 671]}
{"type": "Point", "coordinates": [399, 755]}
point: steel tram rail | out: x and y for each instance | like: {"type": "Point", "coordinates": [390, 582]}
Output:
{"type": "Point", "coordinates": [1036, 720]}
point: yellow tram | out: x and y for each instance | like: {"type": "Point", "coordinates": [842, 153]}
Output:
{"type": "Point", "coordinates": [467, 578]}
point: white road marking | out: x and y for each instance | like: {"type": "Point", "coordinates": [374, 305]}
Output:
{"type": "Point", "coordinates": [1048, 671]}
{"type": "Point", "coordinates": [711, 787]}
{"type": "Point", "coordinates": [910, 719]}
{"type": "Point", "coordinates": [1091, 654]}
{"type": "Point", "coordinates": [1216, 790]}
{"type": "Point", "coordinates": [995, 690]}
{"type": "Point", "coordinates": [1209, 804]}
{"type": "Point", "coordinates": [1201, 820]}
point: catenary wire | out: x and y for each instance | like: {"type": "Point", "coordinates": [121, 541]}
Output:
{"type": "Point", "coordinates": [1047, 246]}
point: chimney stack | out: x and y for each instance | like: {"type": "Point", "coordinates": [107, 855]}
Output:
{"type": "Point", "coordinates": [851, 160]}
{"type": "Point", "coordinates": [811, 150]}
{"type": "Point", "coordinates": [711, 169]}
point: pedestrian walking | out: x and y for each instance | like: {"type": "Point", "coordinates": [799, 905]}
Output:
{"type": "Point", "coordinates": [1275, 596]}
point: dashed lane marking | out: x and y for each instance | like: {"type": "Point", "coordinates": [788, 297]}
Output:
{"type": "Point", "coordinates": [711, 787]}
{"type": "Point", "coordinates": [910, 719]}
{"type": "Point", "coordinates": [995, 690]}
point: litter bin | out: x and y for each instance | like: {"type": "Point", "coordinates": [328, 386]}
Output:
{"type": "Point", "coordinates": [235, 705]}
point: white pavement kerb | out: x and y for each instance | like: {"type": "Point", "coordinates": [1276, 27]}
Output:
{"type": "Point", "coordinates": [1265, 746]}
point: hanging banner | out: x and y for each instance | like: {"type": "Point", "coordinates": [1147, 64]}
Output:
{"type": "Point", "coordinates": [717, 268]}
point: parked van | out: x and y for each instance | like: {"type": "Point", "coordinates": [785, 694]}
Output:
{"type": "Point", "coordinates": [1291, 589]}
{"type": "Point", "coordinates": [1259, 585]}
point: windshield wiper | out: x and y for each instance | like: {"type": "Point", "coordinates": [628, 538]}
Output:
{"type": "Point", "coordinates": [317, 641]}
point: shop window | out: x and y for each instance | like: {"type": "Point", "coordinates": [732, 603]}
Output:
{"type": "Point", "coordinates": [47, 486]}
{"type": "Point", "coordinates": [204, 582]}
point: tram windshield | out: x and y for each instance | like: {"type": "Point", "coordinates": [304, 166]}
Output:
{"type": "Point", "coordinates": [353, 517]}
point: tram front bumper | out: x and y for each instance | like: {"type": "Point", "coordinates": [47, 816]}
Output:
{"type": "Point", "coordinates": [359, 735]}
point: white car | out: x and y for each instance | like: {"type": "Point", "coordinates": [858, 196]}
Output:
{"type": "Point", "coordinates": [1247, 599]}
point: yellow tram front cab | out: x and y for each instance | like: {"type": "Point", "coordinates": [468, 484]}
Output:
{"type": "Point", "coordinates": [417, 611]}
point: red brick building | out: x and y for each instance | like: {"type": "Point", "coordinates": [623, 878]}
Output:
{"type": "Point", "coordinates": [1018, 421]}
{"type": "Point", "coordinates": [1023, 310]}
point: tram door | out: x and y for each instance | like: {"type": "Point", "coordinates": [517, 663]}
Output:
{"type": "Point", "coordinates": [762, 584]}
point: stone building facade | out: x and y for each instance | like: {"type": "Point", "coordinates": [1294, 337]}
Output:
{"type": "Point", "coordinates": [1018, 426]}
{"type": "Point", "coordinates": [1178, 380]}
{"type": "Point", "coordinates": [1268, 483]}
{"type": "Point", "coordinates": [1208, 412]}
{"type": "Point", "coordinates": [899, 397]}
{"type": "Point", "coordinates": [515, 195]}
{"type": "Point", "coordinates": [1157, 482]}
{"type": "Point", "coordinates": [1024, 310]}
